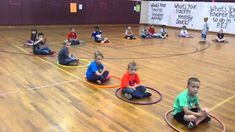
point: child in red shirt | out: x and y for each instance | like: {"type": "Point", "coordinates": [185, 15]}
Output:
{"type": "Point", "coordinates": [72, 37]}
{"type": "Point", "coordinates": [130, 84]}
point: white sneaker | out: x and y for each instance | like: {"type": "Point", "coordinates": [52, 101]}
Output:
{"type": "Point", "coordinates": [128, 96]}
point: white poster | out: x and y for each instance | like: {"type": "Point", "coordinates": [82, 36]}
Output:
{"type": "Point", "coordinates": [159, 13]}
{"type": "Point", "coordinates": [222, 16]}
{"type": "Point", "coordinates": [186, 14]}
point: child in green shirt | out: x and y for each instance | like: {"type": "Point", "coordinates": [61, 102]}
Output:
{"type": "Point", "coordinates": [186, 106]}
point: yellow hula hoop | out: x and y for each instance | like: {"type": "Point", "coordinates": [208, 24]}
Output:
{"type": "Point", "coordinates": [103, 86]}
{"type": "Point", "coordinates": [78, 66]}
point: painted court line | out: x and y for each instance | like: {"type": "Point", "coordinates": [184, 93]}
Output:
{"type": "Point", "coordinates": [49, 85]}
{"type": "Point", "coordinates": [221, 103]}
{"type": "Point", "coordinates": [73, 75]}
{"type": "Point", "coordinates": [7, 93]}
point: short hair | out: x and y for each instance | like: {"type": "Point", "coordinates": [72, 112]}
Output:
{"type": "Point", "coordinates": [205, 19]}
{"type": "Point", "coordinates": [40, 34]}
{"type": "Point", "coordinates": [98, 53]}
{"type": "Point", "coordinates": [71, 28]}
{"type": "Point", "coordinates": [131, 65]}
{"type": "Point", "coordinates": [163, 26]}
{"type": "Point", "coordinates": [193, 79]}
{"type": "Point", "coordinates": [184, 27]}
{"type": "Point", "coordinates": [66, 42]}
{"type": "Point", "coordinates": [34, 30]}
{"type": "Point", "coordinates": [96, 27]}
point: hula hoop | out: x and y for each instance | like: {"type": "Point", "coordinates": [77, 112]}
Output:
{"type": "Point", "coordinates": [31, 53]}
{"type": "Point", "coordinates": [103, 86]}
{"type": "Point", "coordinates": [78, 66]}
{"type": "Point", "coordinates": [173, 127]}
{"type": "Point", "coordinates": [118, 95]}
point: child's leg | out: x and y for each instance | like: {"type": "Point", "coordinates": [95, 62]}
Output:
{"type": "Point", "coordinates": [98, 40]}
{"type": "Point", "coordinates": [143, 36]}
{"type": "Point", "coordinates": [203, 36]}
{"type": "Point", "coordinates": [69, 61]}
{"type": "Point", "coordinates": [42, 51]}
{"type": "Point", "coordinates": [199, 119]}
{"type": "Point", "coordinates": [133, 92]}
{"type": "Point", "coordinates": [180, 118]}
{"type": "Point", "coordinates": [106, 40]}
{"type": "Point", "coordinates": [99, 78]}
{"type": "Point", "coordinates": [141, 89]}
{"type": "Point", "coordinates": [133, 37]}
{"type": "Point", "coordinates": [74, 42]}
{"type": "Point", "coordinates": [105, 76]}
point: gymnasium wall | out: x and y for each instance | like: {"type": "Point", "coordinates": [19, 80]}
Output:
{"type": "Point", "coordinates": [24, 12]}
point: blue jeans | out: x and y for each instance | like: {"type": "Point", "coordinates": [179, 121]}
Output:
{"type": "Point", "coordinates": [103, 78]}
{"type": "Point", "coordinates": [131, 36]}
{"type": "Point", "coordinates": [43, 51]}
{"type": "Point", "coordinates": [74, 42]}
{"type": "Point", "coordinates": [203, 36]}
{"type": "Point", "coordinates": [68, 61]}
{"type": "Point", "coordinates": [137, 92]}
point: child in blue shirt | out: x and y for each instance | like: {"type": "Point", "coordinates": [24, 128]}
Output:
{"type": "Point", "coordinates": [145, 33]}
{"type": "Point", "coordinates": [97, 36]}
{"type": "Point", "coordinates": [96, 71]}
{"type": "Point", "coordinates": [205, 29]}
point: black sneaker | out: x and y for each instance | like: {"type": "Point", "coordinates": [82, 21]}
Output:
{"type": "Point", "coordinates": [207, 119]}
{"type": "Point", "coordinates": [147, 94]}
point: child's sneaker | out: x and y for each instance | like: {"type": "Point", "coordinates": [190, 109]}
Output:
{"type": "Point", "coordinates": [147, 94]}
{"type": "Point", "coordinates": [207, 119]}
{"type": "Point", "coordinates": [191, 125]}
{"type": "Point", "coordinates": [99, 82]}
{"type": "Point", "coordinates": [128, 96]}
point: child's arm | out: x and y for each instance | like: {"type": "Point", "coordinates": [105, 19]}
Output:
{"type": "Point", "coordinates": [39, 40]}
{"type": "Point", "coordinates": [189, 112]}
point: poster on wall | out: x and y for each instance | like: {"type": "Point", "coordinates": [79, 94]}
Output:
{"type": "Point", "coordinates": [222, 16]}
{"type": "Point", "coordinates": [190, 14]}
{"type": "Point", "coordinates": [186, 14]}
{"type": "Point", "coordinates": [159, 13]}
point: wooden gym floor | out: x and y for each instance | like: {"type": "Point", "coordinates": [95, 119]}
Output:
{"type": "Point", "coordinates": [38, 95]}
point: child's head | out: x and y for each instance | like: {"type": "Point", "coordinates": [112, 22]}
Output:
{"type": "Point", "coordinates": [98, 56]}
{"type": "Point", "coordinates": [132, 68]}
{"type": "Point", "coordinates": [96, 28]}
{"type": "Point", "coordinates": [205, 19]}
{"type": "Point", "coordinates": [129, 27]}
{"type": "Point", "coordinates": [151, 26]}
{"type": "Point", "coordinates": [163, 26]}
{"type": "Point", "coordinates": [66, 44]}
{"type": "Point", "coordinates": [34, 31]}
{"type": "Point", "coordinates": [72, 29]}
{"type": "Point", "coordinates": [184, 27]}
{"type": "Point", "coordinates": [193, 85]}
{"type": "Point", "coordinates": [40, 35]}
{"type": "Point", "coordinates": [221, 31]}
